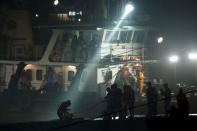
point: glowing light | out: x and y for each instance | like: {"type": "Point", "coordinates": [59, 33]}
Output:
{"type": "Point", "coordinates": [192, 56]}
{"type": "Point", "coordinates": [36, 15]}
{"type": "Point", "coordinates": [98, 29]}
{"type": "Point", "coordinates": [192, 114]}
{"type": "Point", "coordinates": [80, 12]}
{"type": "Point", "coordinates": [56, 2]}
{"type": "Point", "coordinates": [98, 119]}
{"type": "Point", "coordinates": [79, 20]}
{"type": "Point", "coordinates": [129, 8]}
{"type": "Point", "coordinates": [72, 67]}
{"type": "Point", "coordinates": [116, 118]}
{"type": "Point", "coordinates": [159, 40]}
{"type": "Point", "coordinates": [173, 59]}
{"type": "Point", "coordinates": [71, 13]}
{"type": "Point", "coordinates": [29, 66]}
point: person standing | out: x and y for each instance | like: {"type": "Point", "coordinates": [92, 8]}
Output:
{"type": "Point", "coordinates": [166, 93]}
{"type": "Point", "coordinates": [128, 100]}
{"type": "Point", "coordinates": [151, 94]}
{"type": "Point", "coordinates": [74, 47]}
{"type": "Point", "coordinates": [117, 100]}
{"type": "Point", "coordinates": [182, 103]}
{"type": "Point", "coordinates": [109, 101]}
{"type": "Point", "coordinates": [83, 46]}
{"type": "Point", "coordinates": [140, 81]}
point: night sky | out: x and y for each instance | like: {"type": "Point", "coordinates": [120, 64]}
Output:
{"type": "Point", "coordinates": [177, 19]}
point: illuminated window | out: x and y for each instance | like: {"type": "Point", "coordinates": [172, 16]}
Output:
{"type": "Point", "coordinates": [111, 36]}
{"type": "Point", "coordinates": [108, 75]}
{"type": "Point", "coordinates": [39, 75]}
{"type": "Point", "coordinates": [139, 37]}
{"type": "Point", "coordinates": [80, 12]}
{"type": "Point", "coordinates": [63, 17]}
{"type": "Point", "coordinates": [71, 75]}
{"type": "Point", "coordinates": [125, 36]}
{"type": "Point", "coordinates": [71, 13]}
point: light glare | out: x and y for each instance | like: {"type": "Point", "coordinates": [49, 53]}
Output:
{"type": "Point", "coordinates": [56, 2]}
{"type": "Point", "coordinates": [129, 8]}
{"type": "Point", "coordinates": [173, 59]}
{"type": "Point", "coordinates": [192, 56]}
{"type": "Point", "coordinates": [160, 40]}
{"type": "Point", "coordinates": [36, 15]}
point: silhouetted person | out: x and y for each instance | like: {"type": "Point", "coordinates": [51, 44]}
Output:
{"type": "Point", "coordinates": [84, 48]}
{"type": "Point", "coordinates": [109, 102]}
{"type": "Point", "coordinates": [128, 100]}
{"type": "Point", "coordinates": [25, 83]}
{"type": "Point", "coordinates": [74, 47]}
{"type": "Point", "coordinates": [117, 100]}
{"type": "Point", "coordinates": [174, 112]}
{"type": "Point", "coordinates": [152, 97]}
{"type": "Point", "coordinates": [12, 85]}
{"type": "Point", "coordinates": [93, 46]}
{"type": "Point", "coordinates": [182, 103]}
{"type": "Point", "coordinates": [166, 92]}
{"type": "Point", "coordinates": [62, 111]}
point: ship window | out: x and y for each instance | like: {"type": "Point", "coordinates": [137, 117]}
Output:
{"type": "Point", "coordinates": [111, 36]}
{"type": "Point", "coordinates": [71, 75]}
{"type": "Point", "coordinates": [139, 37]}
{"type": "Point", "coordinates": [39, 75]}
{"type": "Point", "coordinates": [108, 75]}
{"type": "Point", "coordinates": [125, 36]}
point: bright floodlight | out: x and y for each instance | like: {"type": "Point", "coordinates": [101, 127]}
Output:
{"type": "Point", "coordinates": [192, 56]}
{"type": "Point", "coordinates": [173, 59]}
{"type": "Point", "coordinates": [159, 40]}
{"type": "Point", "coordinates": [56, 2]}
{"type": "Point", "coordinates": [129, 8]}
{"type": "Point", "coordinates": [36, 15]}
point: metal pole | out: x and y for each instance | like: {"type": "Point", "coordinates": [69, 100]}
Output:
{"type": "Point", "coordinates": [195, 72]}
{"type": "Point", "coordinates": [175, 77]}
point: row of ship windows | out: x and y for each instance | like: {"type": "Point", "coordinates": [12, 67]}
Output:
{"type": "Point", "coordinates": [39, 75]}
{"type": "Point", "coordinates": [125, 36]}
